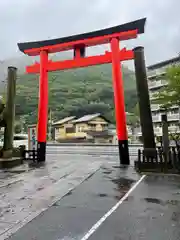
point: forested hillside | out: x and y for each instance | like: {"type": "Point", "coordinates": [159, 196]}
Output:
{"type": "Point", "coordinates": [74, 92]}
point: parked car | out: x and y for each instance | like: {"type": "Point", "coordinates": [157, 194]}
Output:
{"type": "Point", "coordinates": [19, 139]}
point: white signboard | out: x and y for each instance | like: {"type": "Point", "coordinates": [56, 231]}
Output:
{"type": "Point", "coordinates": [32, 136]}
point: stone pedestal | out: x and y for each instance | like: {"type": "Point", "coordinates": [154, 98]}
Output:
{"type": "Point", "coordinates": [10, 162]}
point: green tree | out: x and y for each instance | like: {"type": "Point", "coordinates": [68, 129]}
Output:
{"type": "Point", "coordinates": [74, 92]}
{"type": "Point", "coordinates": [169, 95]}
{"type": "Point", "coordinates": [175, 137]}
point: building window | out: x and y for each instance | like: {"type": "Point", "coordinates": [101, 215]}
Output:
{"type": "Point", "coordinates": [70, 130]}
{"type": "Point", "coordinates": [79, 128]}
{"type": "Point", "coordinates": [93, 126]}
{"type": "Point", "coordinates": [175, 111]}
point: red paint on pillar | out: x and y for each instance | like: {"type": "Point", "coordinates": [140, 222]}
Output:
{"type": "Point", "coordinates": [43, 98]}
{"type": "Point", "coordinates": [118, 91]}
{"type": "Point", "coordinates": [77, 53]}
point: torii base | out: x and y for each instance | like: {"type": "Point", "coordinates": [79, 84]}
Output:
{"type": "Point", "coordinates": [41, 152]}
{"type": "Point", "coordinates": [123, 152]}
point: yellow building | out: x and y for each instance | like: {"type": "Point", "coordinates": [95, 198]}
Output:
{"type": "Point", "coordinates": [61, 127]}
{"type": "Point", "coordinates": [81, 128]}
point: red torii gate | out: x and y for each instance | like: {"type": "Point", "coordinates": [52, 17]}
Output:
{"type": "Point", "coordinates": [78, 43]}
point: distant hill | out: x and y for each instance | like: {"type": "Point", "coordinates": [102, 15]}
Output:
{"type": "Point", "coordinates": [73, 92]}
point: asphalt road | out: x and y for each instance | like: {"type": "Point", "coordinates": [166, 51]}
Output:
{"type": "Point", "coordinates": [90, 150]}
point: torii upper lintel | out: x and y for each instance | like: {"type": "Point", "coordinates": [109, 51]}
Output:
{"type": "Point", "coordinates": [85, 39]}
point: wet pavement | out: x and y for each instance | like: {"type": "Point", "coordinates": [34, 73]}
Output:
{"type": "Point", "coordinates": [26, 192]}
{"type": "Point", "coordinates": [76, 212]}
{"type": "Point", "coordinates": [151, 211]}
{"type": "Point", "coordinates": [68, 196]}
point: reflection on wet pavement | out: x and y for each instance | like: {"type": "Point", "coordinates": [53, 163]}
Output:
{"type": "Point", "coordinates": [78, 210]}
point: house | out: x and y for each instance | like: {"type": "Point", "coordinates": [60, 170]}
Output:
{"type": "Point", "coordinates": [80, 128]}
{"type": "Point", "coordinates": [112, 129]}
{"type": "Point", "coordinates": [63, 128]}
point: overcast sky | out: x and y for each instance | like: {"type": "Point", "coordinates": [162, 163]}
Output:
{"type": "Point", "coordinates": [29, 20]}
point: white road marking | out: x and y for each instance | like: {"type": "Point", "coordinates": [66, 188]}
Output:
{"type": "Point", "coordinates": [98, 224]}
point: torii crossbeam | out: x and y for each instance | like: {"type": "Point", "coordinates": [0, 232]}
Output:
{"type": "Point", "coordinates": [79, 43]}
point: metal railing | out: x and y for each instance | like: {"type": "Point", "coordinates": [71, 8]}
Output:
{"type": "Point", "coordinates": [156, 72]}
{"type": "Point", "coordinates": [156, 118]}
{"type": "Point", "coordinates": [157, 84]}
{"type": "Point", "coordinates": [172, 117]}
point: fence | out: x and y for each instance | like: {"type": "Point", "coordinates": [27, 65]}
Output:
{"type": "Point", "coordinates": [30, 155]}
{"type": "Point", "coordinates": [157, 160]}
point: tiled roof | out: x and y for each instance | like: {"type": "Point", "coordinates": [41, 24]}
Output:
{"type": "Point", "coordinates": [86, 118]}
{"type": "Point", "coordinates": [64, 120]}
{"type": "Point", "coordinates": [164, 63]}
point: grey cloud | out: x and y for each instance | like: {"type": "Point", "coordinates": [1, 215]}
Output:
{"type": "Point", "coordinates": [41, 19]}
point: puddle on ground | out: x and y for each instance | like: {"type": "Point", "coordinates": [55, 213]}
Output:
{"type": "Point", "coordinates": [69, 193]}
{"type": "Point", "coordinates": [129, 198]}
{"type": "Point", "coordinates": [175, 216]}
{"type": "Point", "coordinates": [17, 171]}
{"type": "Point", "coordinates": [37, 164]}
{"type": "Point", "coordinates": [121, 166]}
{"type": "Point", "coordinates": [154, 200]}
{"type": "Point", "coordinates": [173, 202]}
{"type": "Point", "coordinates": [123, 182]}
{"type": "Point", "coordinates": [102, 195]}
{"type": "Point", "coordinates": [162, 202]}
{"type": "Point", "coordinates": [107, 172]}
{"type": "Point", "coordinates": [105, 168]}
{"type": "Point", "coordinates": [40, 188]}
{"type": "Point", "coordinates": [123, 185]}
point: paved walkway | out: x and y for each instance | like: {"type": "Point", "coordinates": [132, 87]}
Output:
{"type": "Point", "coordinates": [108, 206]}
{"type": "Point", "coordinates": [152, 211]}
{"type": "Point", "coordinates": [25, 193]}
{"type": "Point", "coordinates": [73, 215]}
{"type": "Point", "coordinates": [88, 198]}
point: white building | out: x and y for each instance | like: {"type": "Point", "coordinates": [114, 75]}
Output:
{"type": "Point", "coordinates": [156, 81]}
